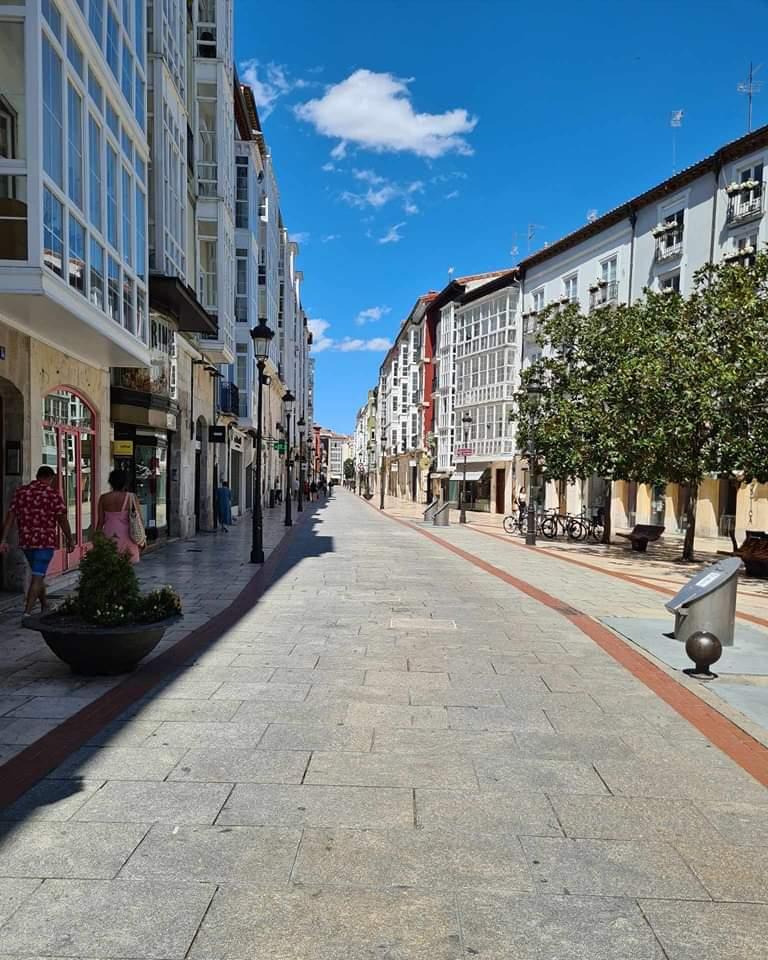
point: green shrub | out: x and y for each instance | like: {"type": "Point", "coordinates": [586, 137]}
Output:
{"type": "Point", "coordinates": [108, 591]}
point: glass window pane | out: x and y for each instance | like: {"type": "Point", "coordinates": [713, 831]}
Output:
{"type": "Point", "coordinates": [127, 217]}
{"type": "Point", "coordinates": [113, 42]}
{"type": "Point", "coordinates": [13, 218]}
{"type": "Point", "coordinates": [94, 88]}
{"type": "Point", "coordinates": [112, 122]}
{"type": "Point", "coordinates": [52, 114]}
{"type": "Point", "coordinates": [96, 20]}
{"type": "Point", "coordinates": [140, 105]}
{"type": "Point", "coordinates": [76, 267]}
{"type": "Point", "coordinates": [139, 35]}
{"type": "Point", "coordinates": [75, 55]}
{"type": "Point", "coordinates": [129, 319]}
{"type": "Point", "coordinates": [53, 233]}
{"type": "Point", "coordinates": [52, 15]}
{"type": "Point", "coordinates": [113, 289]}
{"type": "Point", "coordinates": [97, 274]}
{"type": "Point", "coordinates": [12, 102]}
{"type": "Point", "coordinates": [75, 145]}
{"type": "Point", "coordinates": [141, 315]}
{"type": "Point", "coordinates": [127, 75]}
{"type": "Point", "coordinates": [112, 196]}
{"type": "Point", "coordinates": [141, 234]}
{"type": "Point", "coordinates": [86, 485]}
{"type": "Point", "coordinates": [94, 172]}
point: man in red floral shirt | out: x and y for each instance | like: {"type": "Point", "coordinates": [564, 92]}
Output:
{"type": "Point", "coordinates": [38, 510]}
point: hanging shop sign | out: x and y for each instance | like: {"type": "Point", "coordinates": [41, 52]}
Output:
{"type": "Point", "coordinates": [122, 448]}
{"type": "Point", "coordinates": [217, 434]}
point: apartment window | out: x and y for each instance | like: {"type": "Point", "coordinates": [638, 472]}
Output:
{"type": "Point", "coordinates": [537, 299]}
{"type": "Point", "coordinates": [127, 217]}
{"type": "Point", "coordinates": [53, 233]}
{"type": "Point", "coordinates": [139, 108]}
{"type": "Point", "coordinates": [670, 282]}
{"type": "Point", "coordinates": [113, 42]}
{"type": "Point", "coordinates": [127, 145]}
{"type": "Point", "coordinates": [97, 274]}
{"type": "Point", "coordinates": [94, 89]}
{"type": "Point", "coordinates": [241, 194]}
{"type": "Point", "coordinates": [141, 234]}
{"type": "Point", "coordinates": [52, 15]}
{"type": "Point", "coordinates": [13, 217]}
{"type": "Point", "coordinates": [112, 196]}
{"type": "Point", "coordinates": [206, 28]}
{"type": "Point", "coordinates": [207, 168]}
{"type": "Point", "coordinates": [94, 172]}
{"type": "Point", "coordinates": [140, 39]}
{"type": "Point", "coordinates": [571, 288]}
{"type": "Point", "coordinates": [241, 286]}
{"type": "Point", "coordinates": [128, 312]}
{"type": "Point", "coordinates": [96, 20]}
{"type": "Point", "coordinates": [669, 235]}
{"type": "Point", "coordinates": [53, 130]}
{"type": "Point", "coordinates": [112, 121]}
{"type": "Point", "coordinates": [75, 146]}
{"type": "Point", "coordinates": [126, 84]}
{"type": "Point", "coordinates": [12, 109]}
{"type": "Point", "coordinates": [141, 325]}
{"type": "Point", "coordinates": [113, 289]}
{"type": "Point", "coordinates": [75, 55]}
{"type": "Point", "coordinates": [76, 255]}
{"type": "Point", "coordinates": [207, 241]}
{"type": "Point", "coordinates": [609, 270]}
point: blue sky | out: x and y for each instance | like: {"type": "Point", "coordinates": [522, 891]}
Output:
{"type": "Point", "coordinates": [410, 137]}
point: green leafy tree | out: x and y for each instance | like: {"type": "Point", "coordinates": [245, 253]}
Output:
{"type": "Point", "coordinates": [665, 390]}
{"type": "Point", "coordinates": [349, 469]}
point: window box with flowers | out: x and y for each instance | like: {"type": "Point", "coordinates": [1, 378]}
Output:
{"type": "Point", "coordinates": [735, 187]}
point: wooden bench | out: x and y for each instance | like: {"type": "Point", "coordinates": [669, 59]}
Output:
{"type": "Point", "coordinates": [754, 553]}
{"type": "Point", "coordinates": [641, 535]}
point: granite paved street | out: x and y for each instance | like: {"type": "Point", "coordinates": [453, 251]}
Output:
{"type": "Point", "coordinates": [393, 755]}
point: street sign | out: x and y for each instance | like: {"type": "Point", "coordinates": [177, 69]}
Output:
{"type": "Point", "coordinates": [279, 445]}
{"type": "Point", "coordinates": [464, 451]}
{"type": "Point", "coordinates": [217, 434]}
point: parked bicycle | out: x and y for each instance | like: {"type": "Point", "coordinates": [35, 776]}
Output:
{"type": "Point", "coordinates": [563, 524]}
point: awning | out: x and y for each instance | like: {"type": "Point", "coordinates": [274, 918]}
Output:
{"type": "Point", "coordinates": [470, 475]}
{"type": "Point", "coordinates": [171, 295]}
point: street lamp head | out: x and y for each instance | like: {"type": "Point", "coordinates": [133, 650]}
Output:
{"type": "Point", "coordinates": [262, 337]}
{"type": "Point", "coordinates": [466, 419]}
{"type": "Point", "coordinates": [288, 399]}
{"type": "Point", "coordinates": [302, 422]}
{"type": "Point", "coordinates": [534, 388]}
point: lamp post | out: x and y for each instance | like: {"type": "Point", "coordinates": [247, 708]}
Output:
{"type": "Point", "coordinates": [262, 337]}
{"type": "Point", "coordinates": [383, 477]}
{"type": "Point", "coordinates": [534, 390]}
{"type": "Point", "coordinates": [467, 422]}
{"type": "Point", "coordinates": [299, 500]}
{"type": "Point", "coordinates": [288, 399]}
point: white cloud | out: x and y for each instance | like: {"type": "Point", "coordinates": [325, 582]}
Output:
{"type": "Point", "coordinates": [319, 340]}
{"type": "Point", "coordinates": [269, 82]}
{"type": "Point", "coordinates": [368, 176]}
{"type": "Point", "coordinates": [328, 167]}
{"type": "Point", "coordinates": [322, 342]}
{"type": "Point", "coordinates": [301, 237]}
{"type": "Point", "coordinates": [373, 198]}
{"type": "Point", "coordinates": [371, 315]}
{"type": "Point", "coordinates": [416, 187]}
{"type": "Point", "coordinates": [410, 208]}
{"type": "Point", "coordinates": [330, 236]}
{"type": "Point", "coordinates": [348, 345]}
{"type": "Point", "coordinates": [393, 235]}
{"type": "Point", "coordinates": [374, 111]}
{"type": "Point", "coordinates": [452, 195]}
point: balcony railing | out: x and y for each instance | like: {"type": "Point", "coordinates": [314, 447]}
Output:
{"type": "Point", "coordinates": [670, 244]}
{"type": "Point", "coordinates": [606, 294]}
{"type": "Point", "coordinates": [745, 205]}
{"type": "Point", "coordinates": [229, 398]}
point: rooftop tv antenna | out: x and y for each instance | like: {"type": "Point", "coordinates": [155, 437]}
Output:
{"type": "Point", "coordinates": [591, 215]}
{"type": "Point", "coordinates": [675, 121]}
{"type": "Point", "coordinates": [750, 87]}
{"type": "Point", "coordinates": [532, 228]}
{"type": "Point", "coordinates": [451, 272]}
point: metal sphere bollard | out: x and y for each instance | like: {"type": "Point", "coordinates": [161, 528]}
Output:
{"type": "Point", "coordinates": [704, 649]}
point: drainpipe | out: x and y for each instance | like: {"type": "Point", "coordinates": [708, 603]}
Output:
{"type": "Point", "coordinates": [717, 170]}
{"type": "Point", "coordinates": [633, 222]}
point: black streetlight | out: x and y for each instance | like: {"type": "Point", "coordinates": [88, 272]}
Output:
{"type": "Point", "coordinates": [299, 501]}
{"type": "Point", "coordinates": [534, 390]}
{"type": "Point", "coordinates": [383, 477]}
{"type": "Point", "coordinates": [467, 422]}
{"type": "Point", "coordinates": [288, 399]}
{"type": "Point", "coordinates": [262, 337]}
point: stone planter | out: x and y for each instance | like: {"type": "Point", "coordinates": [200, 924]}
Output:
{"type": "Point", "coordinates": [95, 650]}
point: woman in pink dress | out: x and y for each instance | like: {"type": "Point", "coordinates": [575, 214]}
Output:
{"type": "Point", "coordinates": [114, 515]}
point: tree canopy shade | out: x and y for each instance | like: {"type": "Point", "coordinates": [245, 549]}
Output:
{"type": "Point", "coordinates": [349, 469]}
{"type": "Point", "coordinates": [666, 389]}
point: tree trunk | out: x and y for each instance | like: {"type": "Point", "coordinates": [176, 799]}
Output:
{"type": "Point", "coordinates": [607, 515]}
{"type": "Point", "coordinates": [690, 516]}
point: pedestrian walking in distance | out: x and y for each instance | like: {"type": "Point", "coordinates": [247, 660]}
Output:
{"type": "Point", "coordinates": [224, 505]}
{"type": "Point", "coordinates": [114, 515]}
{"type": "Point", "coordinates": [39, 512]}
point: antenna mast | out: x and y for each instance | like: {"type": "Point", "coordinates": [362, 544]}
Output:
{"type": "Point", "coordinates": [750, 87]}
{"type": "Point", "coordinates": [675, 121]}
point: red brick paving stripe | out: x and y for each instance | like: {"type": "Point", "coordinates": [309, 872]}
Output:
{"type": "Point", "coordinates": [743, 749]}
{"type": "Point", "coordinates": [627, 577]}
{"type": "Point", "coordinates": [37, 760]}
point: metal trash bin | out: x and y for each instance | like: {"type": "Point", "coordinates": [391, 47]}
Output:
{"type": "Point", "coordinates": [708, 602]}
{"type": "Point", "coordinates": [442, 516]}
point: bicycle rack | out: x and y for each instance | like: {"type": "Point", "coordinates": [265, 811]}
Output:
{"type": "Point", "coordinates": [429, 513]}
{"type": "Point", "coordinates": [442, 517]}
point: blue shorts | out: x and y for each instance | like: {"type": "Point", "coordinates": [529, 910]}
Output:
{"type": "Point", "coordinates": [38, 559]}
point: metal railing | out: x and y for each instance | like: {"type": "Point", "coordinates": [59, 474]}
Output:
{"type": "Point", "coordinates": [670, 244]}
{"type": "Point", "coordinates": [607, 293]}
{"type": "Point", "coordinates": [745, 204]}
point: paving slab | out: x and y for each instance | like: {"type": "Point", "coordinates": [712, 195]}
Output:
{"type": "Point", "coordinates": [433, 860]}
{"type": "Point", "coordinates": [241, 765]}
{"type": "Point", "coordinates": [118, 919]}
{"type": "Point", "coordinates": [492, 811]}
{"type": "Point", "coordinates": [744, 823]}
{"type": "Point", "coordinates": [118, 763]}
{"type": "Point", "coordinates": [148, 802]}
{"type": "Point", "coordinates": [605, 868]}
{"type": "Point", "coordinates": [629, 818]}
{"type": "Point", "coordinates": [555, 928]}
{"type": "Point", "coordinates": [346, 739]}
{"type": "Point", "coordinates": [86, 851]}
{"type": "Point", "coordinates": [56, 800]}
{"type": "Point", "coordinates": [383, 770]}
{"type": "Point", "coordinates": [14, 893]}
{"type": "Point", "coordinates": [521, 774]}
{"type": "Point", "coordinates": [709, 931]}
{"type": "Point", "coordinates": [728, 871]}
{"type": "Point", "coordinates": [328, 924]}
{"type": "Point", "coordinates": [673, 780]}
{"type": "Point", "coordinates": [180, 734]}
{"type": "Point", "coordinates": [384, 715]}
{"type": "Point", "coordinates": [417, 741]}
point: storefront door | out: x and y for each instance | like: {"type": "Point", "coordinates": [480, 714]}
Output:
{"type": "Point", "coordinates": [68, 447]}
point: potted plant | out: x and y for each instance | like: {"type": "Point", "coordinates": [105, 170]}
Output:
{"type": "Point", "coordinates": [107, 626]}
